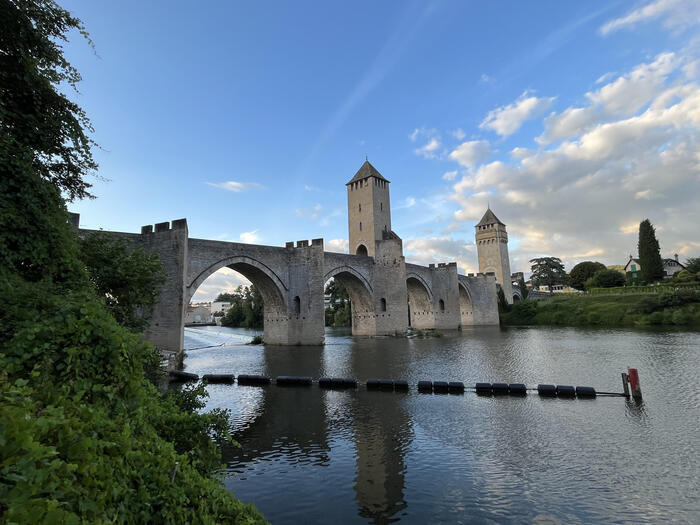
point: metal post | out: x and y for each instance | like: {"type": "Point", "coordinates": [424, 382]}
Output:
{"type": "Point", "coordinates": [625, 386]}
{"type": "Point", "coordinates": [634, 383]}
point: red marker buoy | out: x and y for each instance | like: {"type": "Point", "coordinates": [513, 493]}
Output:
{"type": "Point", "coordinates": [633, 378]}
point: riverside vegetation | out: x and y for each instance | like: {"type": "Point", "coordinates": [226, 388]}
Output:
{"type": "Point", "coordinates": [85, 435]}
{"type": "Point", "coordinates": [679, 308]}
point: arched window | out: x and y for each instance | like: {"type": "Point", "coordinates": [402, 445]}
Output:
{"type": "Point", "coordinates": [383, 304]}
{"type": "Point", "coordinates": [297, 305]}
{"type": "Point", "coordinates": [442, 305]}
{"type": "Point", "coordinates": [361, 250]}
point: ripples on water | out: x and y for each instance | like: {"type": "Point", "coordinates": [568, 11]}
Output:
{"type": "Point", "coordinates": [315, 456]}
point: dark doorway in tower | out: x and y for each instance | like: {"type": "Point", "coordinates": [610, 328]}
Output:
{"type": "Point", "coordinates": [361, 250]}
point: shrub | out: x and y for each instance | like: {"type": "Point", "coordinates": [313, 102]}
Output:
{"type": "Point", "coordinates": [606, 279]}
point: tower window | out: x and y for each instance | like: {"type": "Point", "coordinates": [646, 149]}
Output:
{"type": "Point", "coordinates": [359, 207]}
{"type": "Point", "coordinates": [381, 206]}
{"type": "Point", "coordinates": [442, 305]}
{"type": "Point", "coordinates": [297, 305]}
{"type": "Point", "coordinates": [360, 226]}
{"type": "Point", "coordinates": [383, 304]}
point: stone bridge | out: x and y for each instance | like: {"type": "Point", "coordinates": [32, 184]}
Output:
{"type": "Point", "coordinates": [387, 295]}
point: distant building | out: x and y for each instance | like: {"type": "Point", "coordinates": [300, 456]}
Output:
{"type": "Point", "coordinates": [671, 267]}
{"type": "Point", "coordinates": [492, 251]}
{"type": "Point", "coordinates": [558, 288]}
{"type": "Point", "coordinates": [517, 276]}
{"type": "Point", "coordinates": [219, 307]}
{"type": "Point", "coordinates": [198, 315]}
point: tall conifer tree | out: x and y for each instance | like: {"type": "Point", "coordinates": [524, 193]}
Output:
{"type": "Point", "coordinates": [649, 253]}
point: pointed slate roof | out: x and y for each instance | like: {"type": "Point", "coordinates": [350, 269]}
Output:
{"type": "Point", "coordinates": [366, 170]}
{"type": "Point", "coordinates": [489, 218]}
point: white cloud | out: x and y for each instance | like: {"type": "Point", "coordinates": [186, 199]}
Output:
{"type": "Point", "coordinates": [250, 237]}
{"type": "Point", "coordinates": [429, 150]}
{"type": "Point", "coordinates": [570, 123]}
{"type": "Point", "coordinates": [630, 92]}
{"type": "Point", "coordinates": [428, 250]}
{"type": "Point", "coordinates": [471, 153]}
{"type": "Point", "coordinates": [677, 15]}
{"type": "Point", "coordinates": [622, 96]}
{"type": "Point", "coordinates": [408, 202]}
{"type": "Point", "coordinates": [311, 188]}
{"type": "Point", "coordinates": [224, 280]}
{"type": "Point", "coordinates": [337, 245]}
{"type": "Point", "coordinates": [459, 134]}
{"type": "Point", "coordinates": [585, 196]}
{"type": "Point", "coordinates": [237, 187]}
{"type": "Point", "coordinates": [485, 79]}
{"type": "Point", "coordinates": [506, 120]}
{"type": "Point", "coordinates": [450, 175]}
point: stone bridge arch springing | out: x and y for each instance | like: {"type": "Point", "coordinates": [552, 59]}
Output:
{"type": "Point", "coordinates": [420, 303]}
{"type": "Point", "coordinates": [362, 311]}
{"type": "Point", "coordinates": [466, 308]}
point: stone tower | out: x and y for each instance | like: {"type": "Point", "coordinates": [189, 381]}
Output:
{"type": "Point", "coordinates": [492, 250]}
{"type": "Point", "coordinates": [369, 213]}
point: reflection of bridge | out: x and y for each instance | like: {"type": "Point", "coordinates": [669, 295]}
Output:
{"type": "Point", "coordinates": [384, 291]}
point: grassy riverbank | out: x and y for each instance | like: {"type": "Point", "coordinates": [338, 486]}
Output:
{"type": "Point", "coordinates": [674, 309]}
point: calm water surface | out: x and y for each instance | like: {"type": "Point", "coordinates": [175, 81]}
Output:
{"type": "Point", "coordinates": [314, 456]}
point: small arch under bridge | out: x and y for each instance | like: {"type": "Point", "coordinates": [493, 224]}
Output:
{"type": "Point", "coordinates": [387, 295]}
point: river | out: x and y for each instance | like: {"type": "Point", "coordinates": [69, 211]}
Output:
{"type": "Point", "coordinates": [313, 456]}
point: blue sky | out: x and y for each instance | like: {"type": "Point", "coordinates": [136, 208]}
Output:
{"type": "Point", "coordinates": [574, 120]}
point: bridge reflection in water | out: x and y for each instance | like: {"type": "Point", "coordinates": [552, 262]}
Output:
{"type": "Point", "coordinates": [303, 424]}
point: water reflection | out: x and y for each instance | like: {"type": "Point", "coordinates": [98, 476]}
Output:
{"type": "Point", "coordinates": [315, 456]}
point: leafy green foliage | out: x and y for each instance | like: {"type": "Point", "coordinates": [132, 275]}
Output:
{"type": "Point", "coordinates": [583, 271]}
{"type": "Point", "coordinates": [548, 271]}
{"type": "Point", "coordinates": [692, 265]}
{"type": "Point", "coordinates": [523, 288]}
{"type": "Point", "coordinates": [85, 437]}
{"type": "Point", "coordinates": [41, 128]}
{"type": "Point", "coordinates": [605, 279]}
{"type": "Point", "coordinates": [503, 305]}
{"type": "Point", "coordinates": [672, 308]}
{"type": "Point", "coordinates": [649, 253]}
{"type": "Point", "coordinates": [126, 276]}
{"type": "Point", "coordinates": [338, 312]}
{"type": "Point", "coordinates": [247, 308]}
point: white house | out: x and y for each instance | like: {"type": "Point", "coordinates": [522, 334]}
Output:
{"type": "Point", "coordinates": [197, 315]}
{"type": "Point", "coordinates": [220, 306]}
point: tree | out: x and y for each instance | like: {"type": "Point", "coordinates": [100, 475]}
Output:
{"type": "Point", "coordinates": [338, 312]}
{"type": "Point", "coordinates": [127, 277]}
{"type": "Point", "coordinates": [78, 413]}
{"type": "Point", "coordinates": [523, 288]}
{"type": "Point", "coordinates": [247, 307]}
{"type": "Point", "coordinates": [693, 264]}
{"type": "Point", "coordinates": [582, 272]}
{"type": "Point", "coordinates": [548, 271]}
{"type": "Point", "coordinates": [40, 125]}
{"type": "Point", "coordinates": [606, 279]}
{"type": "Point", "coordinates": [649, 253]}
{"type": "Point", "coordinates": [503, 305]}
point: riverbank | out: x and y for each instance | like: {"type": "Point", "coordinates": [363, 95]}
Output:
{"type": "Point", "coordinates": [673, 309]}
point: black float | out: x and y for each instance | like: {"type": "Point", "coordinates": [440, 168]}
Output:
{"type": "Point", "coordinates": [219, 378]}
{"type": "Point", "coordinates": [455, 387]}
{"type": "Point", "coordinates": [337, 383]}
{"type": "Point", "coordinates": [294, 381]}
{"type": "Point", "coordinates": [547, 390]}
{"type": "Point", "coordinates": [425, 387]}
{"type": "Point", "coordinates": [517, 389]}
{"type": "Point", "coordinates": [566, 391]}
{"type": "Point", "coordinates": [245, 379]}
{"type": "Point", "coordinates": [500, 388]}
{"type": "Point", "coordinates": [483, 389]}
{"type": "Point", "coordinates": [179, 375]}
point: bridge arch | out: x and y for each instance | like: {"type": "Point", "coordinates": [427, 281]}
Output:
{"type": "Point", "coordinates": [420, 302]}
{"type": "Point", "coordinates": [359, 290]}
{"type": "Point", "coordinates": [271, 287]}
{"type": "Point", "coordinates": [466, 307]}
